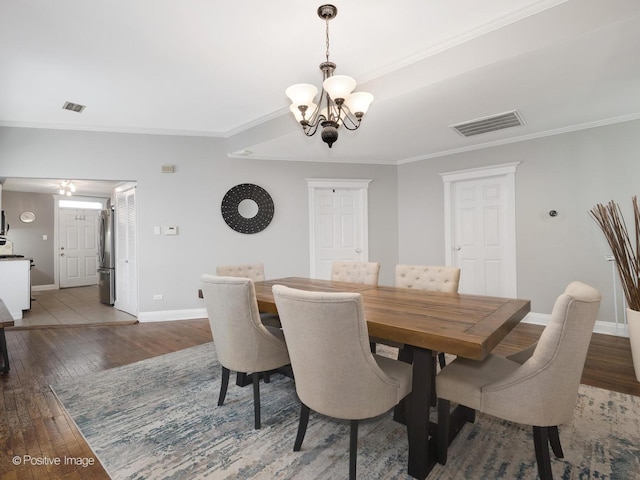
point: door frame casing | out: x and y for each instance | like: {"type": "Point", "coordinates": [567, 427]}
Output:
{"type": "Point", "coordinates": [362, 185]}
{"type": "Point", "coordinates": [56, 234]}
{"type": "Point", "coordinates": [507, 170]}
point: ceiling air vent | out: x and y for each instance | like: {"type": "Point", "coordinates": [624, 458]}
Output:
{"type": "Point", "coordinates": [74, 107]}
{"type": "Point", "coordinates": [489, 124]}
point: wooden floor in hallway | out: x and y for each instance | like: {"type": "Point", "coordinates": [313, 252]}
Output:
{"type": "Point", "coordinates": [71, 306]}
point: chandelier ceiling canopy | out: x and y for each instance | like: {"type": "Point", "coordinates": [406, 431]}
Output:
{"type": "Point", "coordinates": [337, 105]}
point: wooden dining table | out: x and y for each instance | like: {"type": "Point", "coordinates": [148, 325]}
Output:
{"type": "Point", "coordinates": [425, 323]}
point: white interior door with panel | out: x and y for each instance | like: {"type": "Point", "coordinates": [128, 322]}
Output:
{"type": "Point", "coordinates": [126, 264]}
{"type": "Point", "coordinates": [480, 229]}
{"type": "Point", "coordinates": [337, 223]}
{"type": "Point", "coordinates": [78, 247]}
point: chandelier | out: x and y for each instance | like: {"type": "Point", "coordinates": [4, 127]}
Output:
{"type": "Point", "coordinates": [336, 105]}
{"type": "Point", "coordinates": [67, 188]}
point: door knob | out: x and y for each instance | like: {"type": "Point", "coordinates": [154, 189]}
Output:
{"type": "Point", "coordinates": [358, 250]}
{"type": "Point", "coordinates": [62, 254]}
{"type": "Point", "coordinates": [61, 248]}
{"type": "Point", "coordinates": [458, 248]}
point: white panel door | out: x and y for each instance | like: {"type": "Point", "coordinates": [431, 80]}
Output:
{"type": "Point", "coordinates": [479, 235]}
{"type": "Point", "coordinates": [78, 247]}
{"type": "Point", "coordinates": [126, 253]}
{"type": "Point", "coordinates": [480, 216]}
{"type": "Point", "coordinates": [338, 226]}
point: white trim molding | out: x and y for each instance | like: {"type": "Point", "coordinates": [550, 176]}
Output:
{"type": "Point", "coordinates": [480, 172]}
{"type": "Point", "coordinates": [40, 288]}
{"type": "Point", "coordinates": [338, 182]}
{"type": "Point", "coordinates": [507, 170]}
{"type": "Point", "coordinates": [170, 315]}
{"type": "Point", "coordinates": [605, 328]}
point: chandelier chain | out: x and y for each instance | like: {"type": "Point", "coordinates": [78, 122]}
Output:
{"type": "Point", "coordinates": [327, 34]}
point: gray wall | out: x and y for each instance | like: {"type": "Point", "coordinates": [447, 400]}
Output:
{"type": "Point", "coordinates": [27, 238]}
{"type": "Point", "coordinates": [190, 198]}
{"type": "Point", "coordinates": [569, 173]}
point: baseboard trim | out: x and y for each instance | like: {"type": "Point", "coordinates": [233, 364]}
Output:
{"type": "Point", "coordinates": [606, 328]}
{"type": "Point", "coordinates": [40, 288]}
{"type": "Point", "coordinates": [171, 315]}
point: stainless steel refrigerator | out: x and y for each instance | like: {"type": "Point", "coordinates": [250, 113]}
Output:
{"type": "Point", "coordinates": [106, 257]}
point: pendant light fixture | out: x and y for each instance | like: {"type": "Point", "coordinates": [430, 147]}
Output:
{"type": "Point", "coordinates": [67, 188]}
{"type": "Point", "coordinates": [337, 105]}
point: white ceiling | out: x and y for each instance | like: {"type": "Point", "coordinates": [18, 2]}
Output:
{"type": "Point", "coordinates": [205, 67]}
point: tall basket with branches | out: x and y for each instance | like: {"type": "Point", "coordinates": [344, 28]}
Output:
{"type": "Point", "coordinates": [626, 250]}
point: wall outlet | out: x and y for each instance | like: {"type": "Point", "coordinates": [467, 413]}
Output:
{"type": "Point", "coordinates": [157, 297]}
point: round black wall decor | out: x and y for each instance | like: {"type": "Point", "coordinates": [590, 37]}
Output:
{"type": "Point", "coordinates": [249, 222]}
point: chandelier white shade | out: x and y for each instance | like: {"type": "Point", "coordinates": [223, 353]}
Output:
{"type": "Point", "coordinates": [67, 188]}
{"type": "Point", "coordinates": [301, 94]}
{"type": "Point", "coordinates": [339, 86]}
{"type": "Point", "coordinates": [359, 102]}
{"type": "Point", "coordinates": [337, 105]}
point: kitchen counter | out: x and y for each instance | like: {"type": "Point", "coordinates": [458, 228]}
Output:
{"type": "Point", "coordinates": [15, 284]}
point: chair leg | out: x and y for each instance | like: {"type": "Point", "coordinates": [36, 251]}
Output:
{"type": "Point", "coordinates": [302, 426]}
{"type": "Point", "coordinates": [353, 449]}
{"type": "Point", "coordinates": [434, 394]}
{"type": "Point", "coordinates": [444, 417]}
{"type": "Point", "coordinates": [541, 442]}
{"type": "Point", "coordinates": [442, 360]}
{"type": "Point", "coordinates": [373, 347]}
{"type": "Point", "coordinates": [256, 400]}
{"type": "Point", "coordinates": [554, 440]}
{"type": "Point", "coordinates": [224, 383]}
{"type": "Point", "coordinates": [470, 413]}
{"type": "Point", "coordinates": [4, 352]}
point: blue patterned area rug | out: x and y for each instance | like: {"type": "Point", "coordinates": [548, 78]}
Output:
{"type": "Point", "coordinates": [158, 419]}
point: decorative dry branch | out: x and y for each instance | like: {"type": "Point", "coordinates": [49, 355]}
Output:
{"type": "Point", "coordinates": [625, 251]}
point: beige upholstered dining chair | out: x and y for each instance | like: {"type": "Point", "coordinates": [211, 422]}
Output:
{"type": "Point", "coordinates": [254, 271]}
{"type": "Point", "coordinates": [356, 272]}
{"type": "Point", "coordinates": [431, 278]}
{"type": "Point", "coordinates": [537, 387]}
{"type": "Point", "coordinates": [242, 342]}
{"type": "Point", "coordinates": [426, 277]}
{"type": "Point", "coordinates": [335, 372]}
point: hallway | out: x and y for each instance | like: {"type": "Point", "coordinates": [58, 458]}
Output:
{"type": "Point", "coordinates": [71, 306]}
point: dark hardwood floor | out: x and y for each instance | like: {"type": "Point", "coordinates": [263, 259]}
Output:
{"type": "Point", "coordinates": [32, 422]}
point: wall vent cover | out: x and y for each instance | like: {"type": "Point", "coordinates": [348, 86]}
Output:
{"type": "Point", "coordinates": [489, 124]}
{"type": "Point", "coordinates": [74, 107]}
